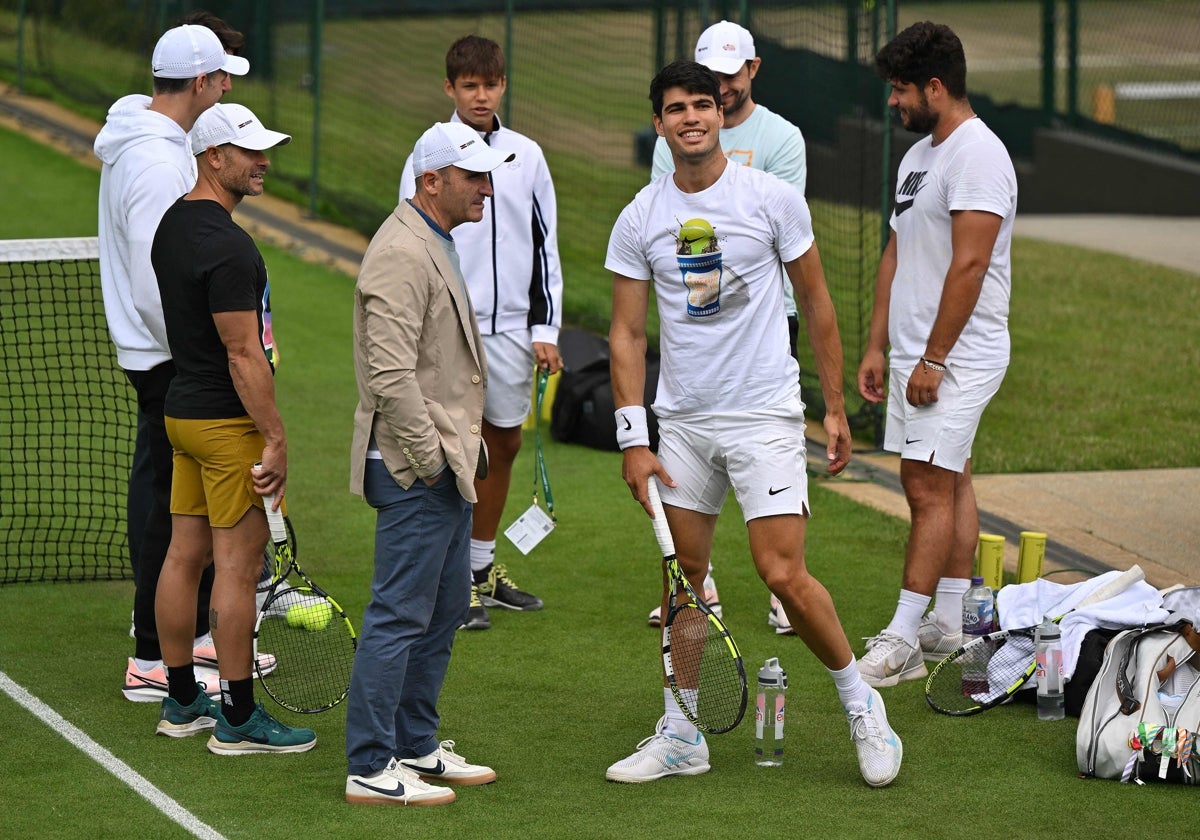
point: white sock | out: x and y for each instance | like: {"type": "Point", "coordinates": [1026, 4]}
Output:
{"type": "Point", "coordinates": [483, 552]}
{"type": "Point", "coordinates": [947, 606]}
{"type": "Point", "coordinates": [677, 723]}
{"type": "Point", "coordinates": [909, 611]}
{"type": "Point", "coordinates": [851, 689]}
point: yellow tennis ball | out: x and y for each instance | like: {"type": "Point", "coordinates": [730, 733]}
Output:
{"type": "Point", "coordinates": [311, 617]}
{"type": "Point", "coordinates": [696, 234]}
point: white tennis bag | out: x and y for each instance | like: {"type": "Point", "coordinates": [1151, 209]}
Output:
{"type": "Point", "coordinates": [1141, 715]}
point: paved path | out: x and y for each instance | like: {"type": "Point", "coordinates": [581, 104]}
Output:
{"type": "Point", "coordinates": [1094, 520]}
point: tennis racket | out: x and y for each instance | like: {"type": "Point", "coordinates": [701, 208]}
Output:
{"type": "Point", "coordinates": [702, 662]}
{"type": "Point", "coordinates": [307, 632]}
{"type": "Point", "coordinates": [989, 670]}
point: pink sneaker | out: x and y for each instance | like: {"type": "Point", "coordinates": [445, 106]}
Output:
{"type": "Point", "coordinates": [151, 686]}
{"type": "Point", "coordinates": [205, 654]}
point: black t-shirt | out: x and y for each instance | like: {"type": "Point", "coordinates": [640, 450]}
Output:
{"type": "Point", "coordinates": [204, 263]}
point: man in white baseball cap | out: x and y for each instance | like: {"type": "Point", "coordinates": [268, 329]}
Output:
{"type": "Point", "coordinates": [148, 164]}
{"type": "Point", "coordinates": [230, 448]}
{"type": "Point", "coordinates": [416, 452]}
{"type": "Point", "coordinates": [757, 137]}
{"type": "Point", "coordinates": [235, 124]}
{"type": "Point", "coordinates": [188, 51]}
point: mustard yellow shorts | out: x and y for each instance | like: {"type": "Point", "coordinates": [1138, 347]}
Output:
{"type": "Point", "coordinates": [213, 463]}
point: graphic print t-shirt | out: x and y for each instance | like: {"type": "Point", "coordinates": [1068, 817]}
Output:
{"type": "Point", "coordinates": [205, 264]}
{"type": "Point", "coordinates": [969, 170]}
{"type": "Point", "coordinates": [715, 261]}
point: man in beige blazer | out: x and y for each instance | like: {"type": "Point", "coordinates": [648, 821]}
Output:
{"type": "Point", "coordinates": [417, 449]}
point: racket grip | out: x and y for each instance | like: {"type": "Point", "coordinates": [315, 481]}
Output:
{"type": "Point", "coordinates": [274, 517]}
{"type": "Point", "coordinates": [662, 531]}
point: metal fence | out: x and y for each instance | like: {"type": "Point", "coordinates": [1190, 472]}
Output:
{"type": "Point", "coordinates": [356, 81]}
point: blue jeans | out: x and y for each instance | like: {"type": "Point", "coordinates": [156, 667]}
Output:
{"type": "Point", "coordinates": [420, 594]}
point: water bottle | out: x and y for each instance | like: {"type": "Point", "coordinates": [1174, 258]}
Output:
{"type": "Point", "coordinates": [1048, 643]}
{"type": "Point", "coordinates": [768, 714]}
{"type": "Point", "coordinates": [978, 614]}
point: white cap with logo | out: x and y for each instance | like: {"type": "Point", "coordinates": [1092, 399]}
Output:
{"type": "Point", "coordinates": [724, 47]}
{"type": "Point", "coordinates": [187, 51]}
{"type": "Point", "coordinates": [455, 144]}
{"type": "Point", "coordinates": [229, 123]}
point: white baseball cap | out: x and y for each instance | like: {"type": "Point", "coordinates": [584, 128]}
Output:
{"type": "Point", "coordinates": [229, 123]}
{"type": "Point", "coordinates": [455, 144]}
{"type": "Point", "coordinates": [724, 47]}
{"type": "Point", "coordinates": [187, 51]}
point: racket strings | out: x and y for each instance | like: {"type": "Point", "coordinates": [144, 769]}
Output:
{"type": "Point", "coordinates": [981, 675]}
{"type": "Point", "coordinates": [313, 647]}
{"type": "Point", "coordinates": [703, 661]}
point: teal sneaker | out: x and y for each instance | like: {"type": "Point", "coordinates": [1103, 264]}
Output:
{"type": "Point", "coordinates": [178, 721]}
{"type": "Point", "coordinates": [260, 734]}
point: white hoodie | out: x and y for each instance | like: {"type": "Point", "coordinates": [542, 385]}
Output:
{"type": "Point", "coordinates": [148, 165]}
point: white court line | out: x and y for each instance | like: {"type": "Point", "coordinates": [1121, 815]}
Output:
{"type": "Point", "coordinates": [140, 785]}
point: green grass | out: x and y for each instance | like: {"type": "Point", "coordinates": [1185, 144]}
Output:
{"type": "Point", "coordinates": [551, 698]}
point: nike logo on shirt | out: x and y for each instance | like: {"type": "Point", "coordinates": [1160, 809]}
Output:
{"type": "Point", "coordinates": [901, 206]}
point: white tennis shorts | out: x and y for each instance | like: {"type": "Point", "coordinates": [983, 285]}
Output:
{"type": "Point", "coordinates": [507, 400]}
{"type": "Point", "coordinates": [761, 454]}
{"type": "Point", "coordinates": [940, 433]}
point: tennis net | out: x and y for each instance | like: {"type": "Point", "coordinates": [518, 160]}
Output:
{"type": "Point", "coordinates": [67, 418]}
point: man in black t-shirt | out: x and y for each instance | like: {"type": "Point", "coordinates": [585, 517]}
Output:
{"type": "Point", "coordinates": [221, 419]}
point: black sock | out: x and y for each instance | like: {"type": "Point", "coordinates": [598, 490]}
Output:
{"type": "Point", "coordinates": [479, 576]}
{"type": "Point", "coordinates": [237, 700]}
{"type": "Point", "coordinates": [181, 684]}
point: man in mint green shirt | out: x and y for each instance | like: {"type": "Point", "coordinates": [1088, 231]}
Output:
{"type": "Point", "coordinates": [755, 136]}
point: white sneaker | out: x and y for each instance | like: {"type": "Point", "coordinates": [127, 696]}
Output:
{"type": "Point", "coordinates": [445, 765]}
{"type": "Point", "coordinates": [889, 660]}
{"type": "Point", "coordinates": [662, 755]}
{"type": "Point", "coordinates": [778, 619]}
{"type": "Point", "coordinates": [935, 643]}
{"type": "Point", "coordinates": [879, 748]}
{"type": "Point", "coordinates": [710, 596]}
{"type": "Point", "coordinates": [395, 785]}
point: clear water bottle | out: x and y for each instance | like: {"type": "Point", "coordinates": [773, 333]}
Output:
{"type": "Point", "coordinates": [1048, 643]}
{"type": "Point", "coordinates": [978, 617]}
{"type": "Point", "coordinates": [768, 714]}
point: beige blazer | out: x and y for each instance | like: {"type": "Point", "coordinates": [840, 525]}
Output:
{"type": "Point", "coordinates": [418, 359]}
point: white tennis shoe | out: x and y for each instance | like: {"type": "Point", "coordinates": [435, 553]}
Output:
{"type": "Point", "coordinates": [395, 785]}
{"type": "Point", "coordinates": [445, 765]}
{"type": "Point", "coordinates": [935, 643]}
{"type": "Point", "coordinates": [778, 619]}
{"type": "Point", "coordinates": [662, 755]}
{"type": "Point", "coordinates": [710, 597]}
{"type": "Point", "coordinates": [890, 660]}
{"type": "Point", "coordinates": [879, 749]}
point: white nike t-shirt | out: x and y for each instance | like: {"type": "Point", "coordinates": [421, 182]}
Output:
{"type": "Point", "coordinates": [969, 170]}
{"type": "Point", "coordinates": [723, 331]}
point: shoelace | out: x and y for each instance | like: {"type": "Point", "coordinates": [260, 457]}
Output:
{"type": "Point", "coordinates": [500, 575]}
{"type": "Point", "coordinates": [863, 726]}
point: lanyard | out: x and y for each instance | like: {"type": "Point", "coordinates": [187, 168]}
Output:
{"type": "Point", "coordinates": [539, 461]}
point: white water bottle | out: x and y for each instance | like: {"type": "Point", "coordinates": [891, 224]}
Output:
{"type": "Point", "coordinates": [978, 615]}
{"type": "Point", "coordinates": [768, 714]}
{"type": "Point", "coordinates": [1048, 644]}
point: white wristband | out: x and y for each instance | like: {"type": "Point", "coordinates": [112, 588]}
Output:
{"type": "Point", "coordinates": [631, 426]}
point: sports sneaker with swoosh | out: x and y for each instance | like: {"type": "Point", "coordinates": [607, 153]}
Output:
{"type": "Point", "coordinates": [935, 643]}
{"type": "Point", "coordinates": [778, 619]}
{"type": "Point", "coordinates": [177, 721]}
{"type": "Point", "coordinates": [204, 652]}
{"type": "Point", "coordinates": [151, 686]}
{"type": "Point", "coordinates": [890, 660]}
{"type": "Point", "coordinates": [261, 733]}
{"type": "Point", "coordinates": [879, 749]}
{"type": "Point", "coordinates": [395, 785]}
{"type": "Point", "coordinates": [445, 765]}
{"type": "Point", "coordinates": [711, 597]}
{"type": "Point", "coordinates": [477, 614]}
{"type": "Point", "coordinates": [662, 755]}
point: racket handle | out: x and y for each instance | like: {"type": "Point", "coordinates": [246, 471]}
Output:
{"type": "Point", "coordinates": [662, 531]}
{"type": "Point", "coordinates": [1114, 587]}
{"type": "Point", "coordinates": [274, 517]}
